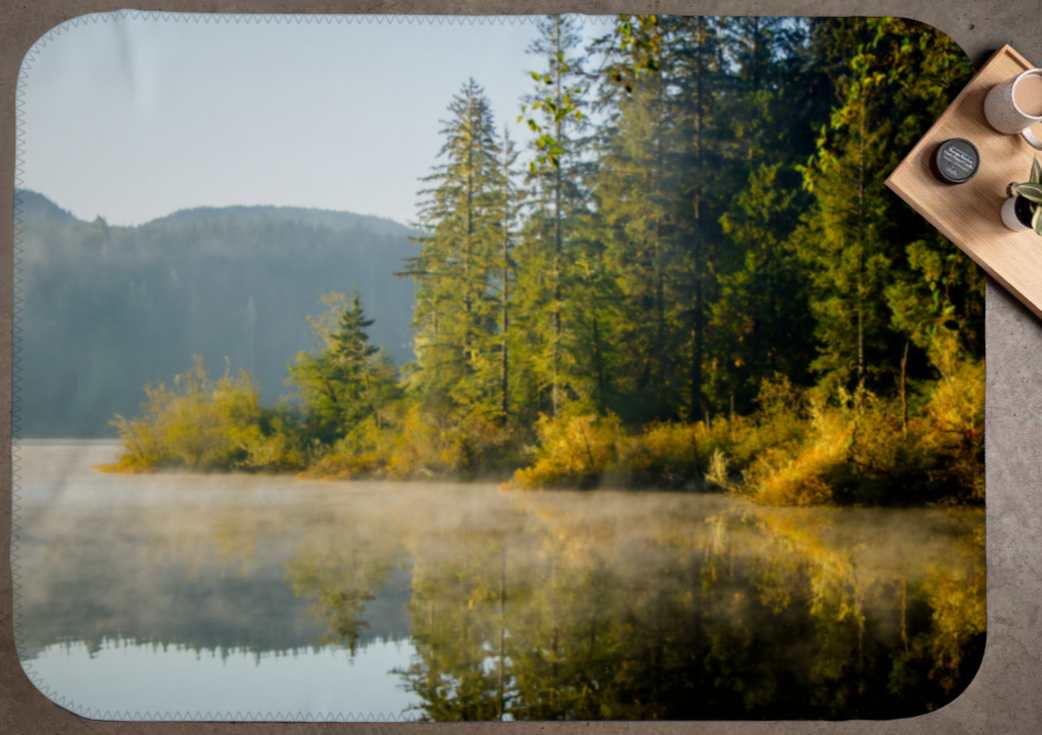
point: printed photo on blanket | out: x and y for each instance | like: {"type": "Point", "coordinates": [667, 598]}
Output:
{"type": "Point", "coordinates": [547, 368]}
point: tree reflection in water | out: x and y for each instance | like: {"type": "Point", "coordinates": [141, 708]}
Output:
{"type": "Point", "coordinates": [572, 608]}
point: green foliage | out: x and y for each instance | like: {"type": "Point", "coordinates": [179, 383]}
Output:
{"type": "Point", "coordinates": [709, 287]}
{"type": "Point", "coordinates": [275, 443]}
{"type": "Point", "coordinates": [557, 104]}
{"type": "Point", "coordinates": [350, 380]}
{"type": "Point", "coordinates": [553, 303]}
{"type": "Point", "coordinates": [463, 220]}
{"type": "Point", "coordinates": [765, 293]}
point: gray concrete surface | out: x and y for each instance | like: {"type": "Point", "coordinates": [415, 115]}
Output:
{"type": "Point", "coordinates": [1005, 697]}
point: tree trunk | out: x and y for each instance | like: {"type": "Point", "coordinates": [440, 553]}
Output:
{"type": "Point", "coordinates": [555, 350]}
{"type": "Point", "coordinates": [660, 298]}
{"type": "Point", "coordinates": [698, 330]}
{"type": "Point", "coordinates": [466, 252]}
{"type": "Point", "coordinates": [598, 361]}
{"type": "Point", "coordinates": [904, 392]}
{"type": "Point", "coordinates": [861, 269]}
{"type": "Point", "coordinates": [504, 367]}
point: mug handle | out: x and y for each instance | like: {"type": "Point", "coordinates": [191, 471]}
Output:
{"type": "Point", "coordinates": [1031, 138]}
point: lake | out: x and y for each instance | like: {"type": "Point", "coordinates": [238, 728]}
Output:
{"type": "Point", "coordinates": [213, 597]}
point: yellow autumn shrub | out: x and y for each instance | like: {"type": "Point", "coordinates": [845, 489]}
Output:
{"type": "Point", "coordinates": [573, 452]}
{"type": "Point", "coordinates": [198, 423]}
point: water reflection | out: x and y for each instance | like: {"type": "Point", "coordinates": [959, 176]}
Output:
{"type": "Point", "coordinates": [523, 606]}
{"type": "Point", "coordinates": [638, 607]}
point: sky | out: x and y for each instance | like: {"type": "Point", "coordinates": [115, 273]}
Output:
{"type": "Point", "coordinates": [132, 119]}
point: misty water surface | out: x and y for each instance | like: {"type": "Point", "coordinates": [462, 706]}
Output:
{"type": "Point", "coordinates": [275, 597]}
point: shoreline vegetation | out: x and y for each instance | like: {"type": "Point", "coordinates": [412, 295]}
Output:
{"type": "Point", "coordinates": [797, 448]}
{"type": "Point", "coordinates": [699, 283]}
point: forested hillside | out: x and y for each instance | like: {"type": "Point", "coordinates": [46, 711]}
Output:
{"type": "Point", "coordinates": [314, 217]}
{"type": "Point", "coordinates": [107, 309]}
{"type": "Point", "coordinates": [692, 274]}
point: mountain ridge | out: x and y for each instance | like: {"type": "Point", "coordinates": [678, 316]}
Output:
{"type": "Point", "coordinates": [34, 207]}
{"type": "Point", "coordinates": [31, 206]}
{"type": "Point", "coordinates": [334, 219]}
{"type": "Point", "coordinates": [107, 310]}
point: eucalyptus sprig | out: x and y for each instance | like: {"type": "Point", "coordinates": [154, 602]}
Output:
{"type": "Point", "coordinates": [1031, 190]}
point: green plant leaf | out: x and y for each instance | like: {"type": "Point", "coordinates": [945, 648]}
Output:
{"type": "Point", "coordinates": [1031, 192]}
{"type": "Point", "coordinates": [1036, 172]}
{"type": "Point", "coordinates": [1036, 221]}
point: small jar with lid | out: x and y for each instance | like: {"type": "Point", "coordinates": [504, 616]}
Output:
{"type": "Point", "coordinates": [955, 161]}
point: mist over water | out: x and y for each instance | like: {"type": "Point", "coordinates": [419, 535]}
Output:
{"type": "Point", "coordinates": [462, 601]}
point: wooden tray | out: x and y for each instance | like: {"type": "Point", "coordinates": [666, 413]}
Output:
{"type": "Point", "coordinates": [968, 214]}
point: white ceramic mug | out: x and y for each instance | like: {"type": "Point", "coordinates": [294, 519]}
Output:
{"type": "Point", "coordinates": [1006, 116]}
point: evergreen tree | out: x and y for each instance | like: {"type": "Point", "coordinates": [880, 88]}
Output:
{"type": "Point", "coordinates": [555, 114]}
{"type": "Point", "coordinates": [490, 387]}
{"type": "Point", "coordinates": [702, 78]}
{"type": "Point", "coordinates": [507, 205]}
{"type": "Point", "coordinates": [763, 324]}
{"type": "Point", "coordinates": [761, 317]}
{"type": "Point", "coordinates": [933, 284]}
{"type": "Point", "coordinates": [454, 316]}
{"type": "Point", "coordinates": [633, 197]}
{"type": "Point", "coordinates": [843, 246]}
{"type": "Point", "coordinates": [349, 381]}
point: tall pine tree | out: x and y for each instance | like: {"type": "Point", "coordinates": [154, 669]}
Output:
{"type": "Point", "coordinates": [555, 112]}
{"type": "Point", "coordinates": [458, 254]}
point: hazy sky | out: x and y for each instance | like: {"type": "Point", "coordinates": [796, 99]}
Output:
{"type": "Point", "coordinates": [134, 119]}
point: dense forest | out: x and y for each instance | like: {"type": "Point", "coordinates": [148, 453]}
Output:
{"type": "Point", "coordinates": [106, 309]}
{"type": "Point", "coordinates": [692, 275]}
